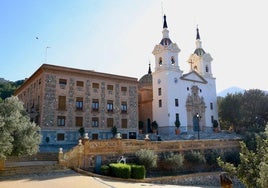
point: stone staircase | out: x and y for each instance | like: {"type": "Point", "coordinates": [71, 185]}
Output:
{"type": "Point", "coordinates": [38, 164]}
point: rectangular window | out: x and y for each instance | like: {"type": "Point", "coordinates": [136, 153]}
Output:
{"type": "Point", "coordinates": [124, 107]}
{"type": "Point", "coordinates": [124, 123]}
{"type": "Point", "coordinates": [95, 136]}
{"type": "Point", "coordinates": [79, 103]}
{"type": "Point", "coordinates": [212, 119]}
{"type": "Point", "coordinates": [211, 106]}
{"type": "Point", "coordinates": [160, 103]}
{"type": "Point", "coordinates": [60, 137]}
{"type": "Point", "coordinates": [177, 116]}
{"type": "Point", "coordinates": [109, 106]}
{"type": "Point", "coordinates": [62, 81]}
{"type": "Point", "coordinates": [61, 121]}
{"type": "Point", "coordinates": [95, 122]}
{"type": "Point", "coordinates": [159, 91]}
{"type": "Point", "coordinates": [79, 121]}
{"type": "Point", "coordinates": [124, 136]}
{"type": "Point", "coordinates": [95, 105]}
{"type": "Point", "coordinates": [110, 87]}
{"type": "Point", "coordinates": [176, 102]}
{"type": "Point", "coordinates": [62, 103]}
{"type": "Point", "coordinates": [124, 89]}
{"type": "Point", "coordinates": [96, 85]}
{"type": "Point", "coordinates": [110, 122]}
{"type": "Point", "coordinates": [80, 83]}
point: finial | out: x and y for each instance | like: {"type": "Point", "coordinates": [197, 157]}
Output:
{"type": "Point", "coordinates": [165, 22]}
{"type": "Point", "coordinates": [149, 71]}
{"type": "Point", "coordinates": [197, 33]}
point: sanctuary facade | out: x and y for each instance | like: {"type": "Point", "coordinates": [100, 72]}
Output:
{"type": "Point", "coordinates": [63, 100]}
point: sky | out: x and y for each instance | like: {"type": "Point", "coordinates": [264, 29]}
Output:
{"type": "Point", "coordinates": [118, 36]}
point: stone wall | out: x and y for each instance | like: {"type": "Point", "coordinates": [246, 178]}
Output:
{"type": "Point", "coordinates": [90, 152]}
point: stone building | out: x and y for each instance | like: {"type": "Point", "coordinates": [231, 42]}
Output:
{"type": "Point", "coordinates": [61, 100]}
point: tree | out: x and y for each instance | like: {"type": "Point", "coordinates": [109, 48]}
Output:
{"type": "Point", "coordinates": [254, 109]}
{"type": "Point", "coordinates": [154, 125]}
{"type": "Point", "coordinates": [147, 158]}
{"type": "Point", "coordinates": [114, 130]}
{"type": "Point", "coordinates": [253, 167]}
{"type": "Point", "coordinates": [7, 88]}
{"type": "Point", "coordinates": [18, 136]}
{"type": "Point", "coordinates": [229, 110]}
{"type": "Point", "coordinates": [245, 112]}
{"type": "Point", "coordinates": [81, 131]}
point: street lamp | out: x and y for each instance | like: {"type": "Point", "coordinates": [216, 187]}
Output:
{"type": "Point", "coordinates": [198, 127]}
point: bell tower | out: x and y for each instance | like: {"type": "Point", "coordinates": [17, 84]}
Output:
{"type": "Point", "coordinates": [165, 79]}
{"type": "Point", "coordinates": [200, 61]}
{"type": "Point", "coordinates": [166, 52]}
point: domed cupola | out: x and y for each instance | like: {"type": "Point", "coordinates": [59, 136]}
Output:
{"type": "Point", "coordinates": [146, 80]}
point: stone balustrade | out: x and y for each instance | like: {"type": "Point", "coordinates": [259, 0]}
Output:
{"type": "Point", "coordinates": [85, 154]}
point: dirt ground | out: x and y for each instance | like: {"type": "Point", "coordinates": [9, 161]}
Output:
{"type": "Point", "coordinates": [73, 180]}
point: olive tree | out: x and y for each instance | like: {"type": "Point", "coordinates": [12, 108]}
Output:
{"type": "Point", "coordinates": [18, 135]}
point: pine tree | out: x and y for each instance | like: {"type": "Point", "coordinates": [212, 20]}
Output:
{"type": "Point", "coordinates": [253, 167]}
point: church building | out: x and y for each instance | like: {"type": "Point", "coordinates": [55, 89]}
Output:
{"type": "Point", "coordinates": [167, 95]}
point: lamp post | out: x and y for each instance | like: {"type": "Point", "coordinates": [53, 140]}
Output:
{"type": "Point", "coordinates": [198, 127]}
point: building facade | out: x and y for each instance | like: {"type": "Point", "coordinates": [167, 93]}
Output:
{"type": "Point", "coordinates": [62, 100]}
{"type": "Point", "coordinates": [190, 98]}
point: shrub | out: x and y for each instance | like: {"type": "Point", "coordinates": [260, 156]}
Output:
{"type": "Point", "coordinates": [146, 158]}
{"type": "Point", "coordinates": [232, 157]}
{"type": "Point", "coordinates": [138, 171]}
{"type": "Point", "coordinates": [195, 157]}
{"type": "Point", "coordinates": [105, 170]}
{"type": "Point", "coordinates": [173, 161]}
{"type": "Point", "coordinates": [120, 170]}
{"type": "Point", "coordinates": [211, 157]}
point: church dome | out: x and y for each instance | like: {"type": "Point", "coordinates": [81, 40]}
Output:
{"type": "Point", "coordinates": [199, 52]}
{"type": "Point", "coordinates": [146, 80]}
{"type": "Point", "coordinates": [165, 41]}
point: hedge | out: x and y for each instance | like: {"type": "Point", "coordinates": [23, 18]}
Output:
{"type": "Point", "coordinates": [120, 170]}
{"type": "Point", "coordinates": [138, 171]}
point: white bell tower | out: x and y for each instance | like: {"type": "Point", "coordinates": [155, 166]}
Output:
{"type": "Point", "coordinates": [165, 80]}
{"type": "Point", "coordinates": [200, 61]}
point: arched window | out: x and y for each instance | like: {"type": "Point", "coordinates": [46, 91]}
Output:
{"type": "Point", "coordinates": [160, 61]}
{"type": "Point", "coordinates": [206, 68]}
{"type": "Point", "coordinates": [172, 61]}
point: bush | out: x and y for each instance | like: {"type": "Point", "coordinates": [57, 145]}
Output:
{"type": "Point", "coordinates": [105, 170]}
{"type": "Point", "coordinates": [138, 171]}
{"type": "Point", "coordinates": [173, 161]}
{"type": "Point", "coordinates": [120, 170]}
{"type": "Point", "coordinates": [146, 158]}
{"type": "Point", "coordinates": [195, 157]}
{"type": "Point", "coordinates": [211, 157]}
{"type": "Point", "coordinates": [232, 157]}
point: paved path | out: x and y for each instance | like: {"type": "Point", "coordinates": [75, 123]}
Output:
{"type": "Point", "coordinates": [72, 179]}
{"type": "Point", "coordinates": [30, 163]}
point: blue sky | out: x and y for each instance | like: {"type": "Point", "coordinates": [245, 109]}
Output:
{"type": "Point", "coordinates": [118, 36]}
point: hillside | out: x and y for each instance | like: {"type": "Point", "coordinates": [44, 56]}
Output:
{"type": "Point", "coordinates": [231, 90]}
{"type": "Point", "coordinates": [7, 88]}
